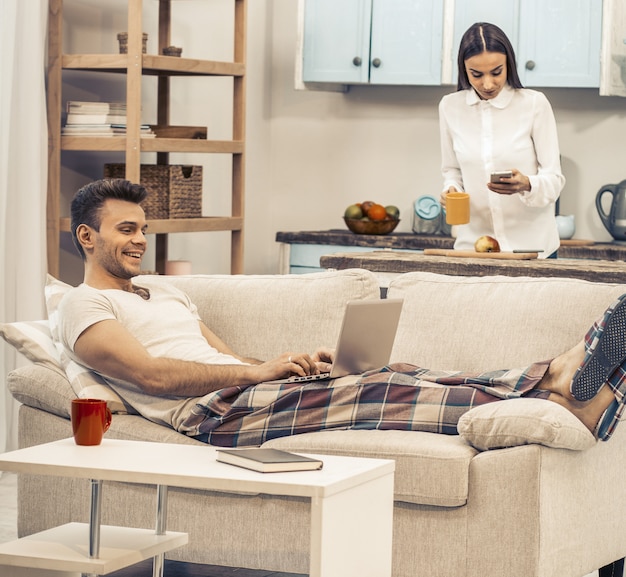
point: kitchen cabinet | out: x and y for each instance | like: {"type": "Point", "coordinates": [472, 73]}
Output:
{"type": "Point", "coordinates": [373, 41]}
{"type": "Point", "coordinates": [557, 43]}
{"type": "Point", "coordinates": [613, 76]}
{"type": "Point", "coordinates": [133, 66]}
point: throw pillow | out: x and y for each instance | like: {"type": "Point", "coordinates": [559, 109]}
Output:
{"type": "Point", "coordinates": [523, 422]}
{"type": "Point", "coordinates": [84, 382]}
{"type": "Point", "coordinates": [33, 340]}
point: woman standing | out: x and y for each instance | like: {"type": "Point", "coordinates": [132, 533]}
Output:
{"type": "Point", "coordinates": [493, 124]}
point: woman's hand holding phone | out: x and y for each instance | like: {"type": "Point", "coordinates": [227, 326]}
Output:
{"type": "Point", "coordinates": [509, 182]}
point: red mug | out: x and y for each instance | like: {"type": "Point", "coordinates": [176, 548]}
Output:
{"type": "Point", "coordinates": [91, 418]}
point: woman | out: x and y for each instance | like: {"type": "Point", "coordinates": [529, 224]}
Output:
{"type": "Point", "coordinates": [493, 124]}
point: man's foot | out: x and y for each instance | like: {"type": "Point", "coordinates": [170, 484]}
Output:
{"type": "Point", "coordinates": [590, 413]}
{"type": "Point", "coordinates": [607, 350]}
{"type": "Point", "coordinates": [557, 381]}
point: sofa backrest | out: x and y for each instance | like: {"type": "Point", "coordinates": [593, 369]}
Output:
{"type": "Point", "coordinates": [493, 322]}
{"type": "Point", "coordinates": [262, 316]}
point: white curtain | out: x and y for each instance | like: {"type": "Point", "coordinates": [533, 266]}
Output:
{"type": "Point", "coordinates": [23, 169]}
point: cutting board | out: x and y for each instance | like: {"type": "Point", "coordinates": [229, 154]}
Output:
{"type": "Point", "coordinates": [576, 242]}
{"type": "Point", "coordinates": [474, 254]}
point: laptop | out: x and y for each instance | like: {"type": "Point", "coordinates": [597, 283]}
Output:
{"type": "Point", "coordinates": [365, 341]}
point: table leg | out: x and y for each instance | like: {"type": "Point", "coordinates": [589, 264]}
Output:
{"type": "Point", "coordinates": [94, 520]}
{"type": "Point", "coordinates": [161, 527]}
{"type": "Point", "coordinates": [351, 531]}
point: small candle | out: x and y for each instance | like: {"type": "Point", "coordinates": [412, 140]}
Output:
{"type": "Point", "coordinates": [178, 267]}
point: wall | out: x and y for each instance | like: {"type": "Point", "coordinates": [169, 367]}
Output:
{"type": "Point", "coordinates": [310, 154]}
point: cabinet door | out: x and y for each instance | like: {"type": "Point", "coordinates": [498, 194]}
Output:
{"type": "Point", "coordinates": [559, 43]}
{"type": "Point", "coordinates": [406, 42]}
{"type": "Point", "coordinates": [613, 61]}
{"type": "Point", "coordinates": [336, 41]}
{"type": "Point", "coordinates": [502, 13]}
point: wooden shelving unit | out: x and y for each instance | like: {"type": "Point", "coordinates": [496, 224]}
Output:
{"type": "Point", "coordinates": [134, 65]}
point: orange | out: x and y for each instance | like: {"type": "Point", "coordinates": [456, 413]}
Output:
{"type": "Point", "coordinates": [377, 212]}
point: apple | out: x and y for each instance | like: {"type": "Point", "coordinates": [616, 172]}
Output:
{"type": "Point", "coordinates": [353, 211]}
{"type": "Point", "coordinates": [486, 244]}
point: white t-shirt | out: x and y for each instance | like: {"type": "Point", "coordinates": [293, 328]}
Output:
{"type": "Point", "coordinates": [514, 130]}
{"type": "Point", "coordinates": [175, 334]}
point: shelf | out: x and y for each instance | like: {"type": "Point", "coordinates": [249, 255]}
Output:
{"type": "Point", "coordinates": [152, 65]}
{"type": "Point", "coordinates": [66, 548]}
{"type": "Point", "coordinates": [203, 224]}
{"type": "Point", "coordinates": [105, 143]}
{"type": "Point", "coordinates": [134, 65]}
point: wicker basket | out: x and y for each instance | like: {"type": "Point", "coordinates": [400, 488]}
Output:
{"type": "Point", "coordinates": [174, 191]}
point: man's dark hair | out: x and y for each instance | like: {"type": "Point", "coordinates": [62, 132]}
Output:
{"type": "Point", "coordinates": [485, 37]}
{"type": "Point", "coordinates": [87, 202]}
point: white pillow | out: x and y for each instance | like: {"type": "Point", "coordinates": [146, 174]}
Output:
{"type": "Point", "coordinates": [33, 340]}
{"type": "Point", "coordinates": [85, 383]}
{"type": "Point", "coordinates": [523, 422]}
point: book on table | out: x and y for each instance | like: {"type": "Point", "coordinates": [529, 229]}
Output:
{"type": "Point", "coordinates": [268, 460]}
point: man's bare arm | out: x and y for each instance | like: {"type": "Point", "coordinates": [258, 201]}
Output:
{"type": "Point", "coordinates": [110, 349]}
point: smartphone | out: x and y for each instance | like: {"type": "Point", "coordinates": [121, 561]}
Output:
{"type": "Point", "coordinates": [498, 176]}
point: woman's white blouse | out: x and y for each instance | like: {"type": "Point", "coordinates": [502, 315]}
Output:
{"type": "Point", "coordinates": [514, 130]}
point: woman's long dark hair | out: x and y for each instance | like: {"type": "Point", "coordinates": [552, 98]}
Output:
{"type": "Point", "coordinates": [485, 37]}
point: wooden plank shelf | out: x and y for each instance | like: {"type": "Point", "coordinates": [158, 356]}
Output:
{"type": "Point", "coordinates": [153, 65]}
{"type": "Point", "coordinates": [106, 143]}
{"type": "Point", "coordinates": [201, 224]}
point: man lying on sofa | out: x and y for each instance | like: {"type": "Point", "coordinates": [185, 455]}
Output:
{"type": "Point", "coordinates": [153, 349]}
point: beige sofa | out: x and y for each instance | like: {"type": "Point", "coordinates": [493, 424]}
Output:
{"type": "Point", "coordinates": [529, 509]}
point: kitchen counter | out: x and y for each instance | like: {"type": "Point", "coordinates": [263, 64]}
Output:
{"type": "Point", "coordinates": [574, 249]}
{"type": "Point", "coordinates": [385, 262]}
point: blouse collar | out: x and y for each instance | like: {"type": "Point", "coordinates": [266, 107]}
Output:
{"type": "Point", "coordinates": [501, 101]}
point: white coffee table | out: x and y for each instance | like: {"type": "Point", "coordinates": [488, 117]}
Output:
{"type": "Point", "coordinates": [351, 507]}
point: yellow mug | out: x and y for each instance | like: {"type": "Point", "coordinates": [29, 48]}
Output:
{"type": "Point", "coordinates": [457, 208]}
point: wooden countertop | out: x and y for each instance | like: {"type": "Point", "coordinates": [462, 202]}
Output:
{"type": "Point", "coordinates": [411, 241]}
{"type": "Point", "coordinates": [386, 261]}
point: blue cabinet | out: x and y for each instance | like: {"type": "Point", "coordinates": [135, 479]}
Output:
{"type": "Point", "coordinates": [557, 43]}
{"type": "Point", "coordinates": [560, 43]}
{"type": "Point", "coordinates": [373, 41]}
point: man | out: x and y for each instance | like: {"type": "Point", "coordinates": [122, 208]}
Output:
{"type": "Point", "coordinates": [152, 348]}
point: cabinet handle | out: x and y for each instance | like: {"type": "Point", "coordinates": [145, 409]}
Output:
{"type": "Point", "coordinates": [530, 65]}
{"type": "Point", "coordinates": [376, 62]}
{"type": "Point", "coordinates": [357, 61]}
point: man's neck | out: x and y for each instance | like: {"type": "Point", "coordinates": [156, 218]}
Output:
{"type": "Point", "coordinates": [102, 280]}
{"type": "Point", "coordinates": [108, 282]}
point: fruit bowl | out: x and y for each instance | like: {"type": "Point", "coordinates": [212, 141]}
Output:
{"type": "Point", "coordinates": [361, 226]}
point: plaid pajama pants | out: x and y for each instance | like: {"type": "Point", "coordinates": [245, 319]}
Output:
{"type": "Point", "coordinates": [399, 396]}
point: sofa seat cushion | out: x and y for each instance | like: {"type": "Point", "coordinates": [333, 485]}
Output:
{"type": "Point", "coordinates": [431, 469]}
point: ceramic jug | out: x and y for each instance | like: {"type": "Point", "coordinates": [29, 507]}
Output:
{"type": "Point", "coordinates": [615, 220]}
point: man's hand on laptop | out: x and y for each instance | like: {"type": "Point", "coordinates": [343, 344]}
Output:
{"type": "Point", "coordinates": [293, 365]}
{"type": "Point", "coordinates": [324, 358]}
{"type": "Point", "coordinates": [302, 364]}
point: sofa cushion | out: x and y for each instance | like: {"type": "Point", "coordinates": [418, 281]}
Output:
{"type": "Point", "coordinates": [524, 422]}
{"type": "Point", "coordinates": [447, 321]}
{"type": "Point", "coordinates": [33, 340]}
{"type": "Point", "coordinates": [263, 316]}
{"type": "Point", "coordinates": [43, 388]}
{"type": "Point", "coordinates": [431, 469]}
